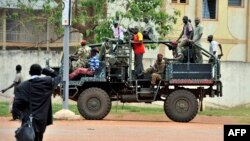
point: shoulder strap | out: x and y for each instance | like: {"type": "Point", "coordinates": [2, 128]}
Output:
{"type": "Point", "coordinates": [30, 104]}
{"type": "Point", "coordinates": [118, 32]}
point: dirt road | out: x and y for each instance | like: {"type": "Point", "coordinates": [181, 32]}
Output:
{"type": "Point", "coordinates": [128, 128]}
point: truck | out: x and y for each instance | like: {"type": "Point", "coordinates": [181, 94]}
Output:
{"type": "Point", "coordinates": [182, 87]}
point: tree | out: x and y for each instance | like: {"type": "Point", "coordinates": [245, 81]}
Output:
{"type": "Point", "coordinates": [90, 17]}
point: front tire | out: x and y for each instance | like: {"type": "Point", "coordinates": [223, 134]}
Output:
{"type": "Point", "coordinates": [181, 106]}
{"type": "Point", "coordinates": [94, 104]}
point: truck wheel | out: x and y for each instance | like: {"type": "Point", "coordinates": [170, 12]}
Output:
{"type": "Point", "coordinates": [94, 104]}
{"type": "Point", "coordinates": [181, 106]}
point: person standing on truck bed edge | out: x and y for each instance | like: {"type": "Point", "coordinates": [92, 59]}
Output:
{"type": "Point", "coordinates": [198, 32]}
{"type": "Point", "coordinates": [139, 50]}
{"type": "Point", "coordinates": [186, 34]}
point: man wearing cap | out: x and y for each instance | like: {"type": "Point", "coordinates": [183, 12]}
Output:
{"type": "Point", "coordinates": [118, 31]}
{"type": "Point", "coordinates": [157, 69]}
{"type": "Point", "coordinates": [93, 64]}
{"type": "Point", "coordinates": [80, 58]}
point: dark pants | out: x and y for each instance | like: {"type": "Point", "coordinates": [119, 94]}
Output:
{"type": "Point", "coordinates": [138, 65]}
{"type": "Point", "coordinates": [39, 136]}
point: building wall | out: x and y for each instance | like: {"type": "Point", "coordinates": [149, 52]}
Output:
{"type": "Point", "coordinates": [25, 36]}
{"type": "Point", "coordinates": [230, 28]}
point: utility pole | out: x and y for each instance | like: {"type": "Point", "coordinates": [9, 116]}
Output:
{"type": "Point", "coordinates": [66, 15]}
{"type": "Point", "coordinates": [65, 113]}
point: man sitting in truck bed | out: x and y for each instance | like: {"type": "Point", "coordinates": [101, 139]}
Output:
{"type": "Point", "coordinates": [157, 70]}
{"type": "Point", "coordinates": [92, 65]}
{"type": "Point", "coordinates": [80, 58]}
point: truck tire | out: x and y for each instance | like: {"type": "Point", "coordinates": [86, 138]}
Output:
{"type": "Point", "coordinates": [181, 106]}
{"type": "Point", "coordinates": [94, 104]}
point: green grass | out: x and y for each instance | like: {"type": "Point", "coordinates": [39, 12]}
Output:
{"type": "Point", "coordinates": [242, 113]}
{"type": "Point", "coordinates": [4, 109]}
{"type": "Point", "coordinates": [136, 109]}
{"type": "Point", "coordinates": [72, 107]}
{"type": "Point", "coordinates": [237, 111]}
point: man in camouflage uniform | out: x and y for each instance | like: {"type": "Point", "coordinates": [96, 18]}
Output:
{"type": "Point", "coordinates": [79, 59]}
{"type": "Point", "coordinates": [157, 70]}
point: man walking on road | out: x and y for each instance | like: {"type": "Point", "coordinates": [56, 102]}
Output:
{"type": "Point", "coordinates": [18, 79]}
{"type": "Point", "coordinates": [34, 97]}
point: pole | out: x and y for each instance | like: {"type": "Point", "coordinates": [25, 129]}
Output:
{"type": "Point", "coordinates": [66, 13]}
{"type": "Point", "coordinates": [66, 67]}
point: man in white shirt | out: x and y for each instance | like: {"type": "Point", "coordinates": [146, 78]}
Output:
{"type": "Point", "coordinates": [213, 47]}
{"type": "Point", "coordinates": [118, 31]}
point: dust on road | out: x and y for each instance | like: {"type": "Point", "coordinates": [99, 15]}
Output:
{"type": "Point", "coordinates": [128, 128]}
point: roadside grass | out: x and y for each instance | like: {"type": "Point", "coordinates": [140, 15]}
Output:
{"type": "Point", "coordinates": [4, 109]}
{"type": "Point", "coordinates": [57, 107]}
{"type": "Point", "coordinates": [242, 113]}
{"type": "Point", "coordinates": [123, 109]}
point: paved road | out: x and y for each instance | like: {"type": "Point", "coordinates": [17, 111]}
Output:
{"type": "Point", "coordinates": [202, 128]}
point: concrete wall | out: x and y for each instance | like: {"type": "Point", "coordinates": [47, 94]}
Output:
{"type": "Point", "coordinates": [235, 75]}
{"type": "Point", "coordinates": [9, 60]}
{"type": "Point", "coordinates": [235, 79]}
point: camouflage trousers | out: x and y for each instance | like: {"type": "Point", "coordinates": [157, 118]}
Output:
{"type": "Point", "coordinates": [155, 77]}
{"type": "Point", "coordinates": [78, 64]}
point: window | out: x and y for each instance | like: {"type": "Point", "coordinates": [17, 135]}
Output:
{"type": "Point", "coordinates": [182, 1]}
{"type": "Point", "coordinates": [234, 2]}
{"type": "Point", "coordinates": [179, 1]}
{"type": "Point", "coordinates": [209, 9]}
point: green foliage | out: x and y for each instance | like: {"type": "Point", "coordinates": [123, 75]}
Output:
{"type": "Point", "coordinates": [103, 30]}
{"type": "Point", "coordinates": [138, 9]}
{"type": "Point", "coordinates": [90, 18]}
